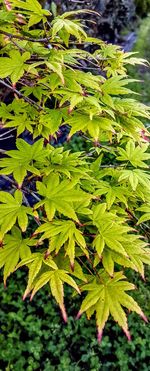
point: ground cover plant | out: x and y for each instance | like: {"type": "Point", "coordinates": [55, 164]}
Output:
{"type": "Point", "coordinates": [75, 218]}
{"type": "Point", "coordinates": [34, 337]}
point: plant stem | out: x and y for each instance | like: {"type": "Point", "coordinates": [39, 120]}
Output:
{"type": "Point", "coordinates": [11, 36]}
{"type": "Point", "coordinates": [26, 99]}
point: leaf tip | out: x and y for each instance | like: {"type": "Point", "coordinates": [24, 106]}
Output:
{"type": "Point", "coordinates": [72, 266]}
{"type": "Point", "coordinates": [68, 138]}
{"type": "Point", "coordinates": [142, 315]}
{"type": "Point", "coordinates": [79, 314]}
{"type": "Point", "coordinates": [99, 335]}
{"type": "Point", "coordinates": [127, 333]}
{"type": "Point", "coordinates": [64, 315]}
{"type": "Point", "coordinates": [25, 295]}
{"type": "Point", "coordinates": [70, 110]}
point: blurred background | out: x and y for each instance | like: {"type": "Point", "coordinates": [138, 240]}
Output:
{"type": "Point", "coordinates": [33, 335]}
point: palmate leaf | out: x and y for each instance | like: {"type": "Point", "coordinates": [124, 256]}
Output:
{"type": "Point", "coordinates": [23, 159]}
{"type": "Point", "coordinates": [71, 27]}
{"type": "Point", "coordinates": [14, 65]}
{"type": "Point", "coordinates": [15, 247]}
{"type": "Point", "coordinates": [52, 119]}
{"type": "Point", "coordinates": [115, 85]}
{"type": "Point", "coordinates": [60, 233]}
{"type": "Point", "coordinates": [64, 162]}
{"type": "Point", "coordinates": [74, 80]}
{"type": "Point", "coordinates": [132, 108]}
{"type": "Point", "coordinates": [21, 122]}
{"type": "Point", "coordinates": [55, 278]}
{"type": "Point", "coordinates": [94, 126]}
{"type": "Point", "coordinates": [27, 5]}
{"type": "Point", "coordinates": [109, 297]}
{"type": "Point", "coordinates": [129, 59]}
{"type": "Point", "coordinates": [109, 258]}
{"type": "Point", "coordinates": [81, 198]}
{"type": "Point", "coordinates": [60, 196]}
{"type": "Point", "coordinates": [146, 216]}
{"type": "Point", "coordinates": [12, 211]}
{"type": "Point", "coordinates": [135, 155]}
{"type": "Point", "coordinates": [138, 255]}
{"type": "Point", "coordinates": [111, 233]}
{"type": "Point", "coordinates": [135, 177]}
{"type": "Point", "coordinates": [63, 262]}
{"type": "Point", "coordinates": [56, 286]}
{"type": "Point", "coordinates": [35, 262]}
{"type": "Point", "coordinates": [114, 193]}
{"type": "Point", "coordinates": [33, 8]}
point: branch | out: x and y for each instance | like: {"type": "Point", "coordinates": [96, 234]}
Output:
{"type": "Point", "coordinates": [26, 99]}
{"type": "Point", "coordinates": [143, 226]}
{"type": "Point", "coordinates": [24, 188]}
{"type": "Point", "coordinates": [11, 36]}
{"type": "Point", "coordinates": [6, 133]}
{"type": "Point", "coordinates": [7, 137]}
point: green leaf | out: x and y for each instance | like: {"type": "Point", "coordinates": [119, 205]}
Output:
{"type": "Point", "coordinates": [60, 196]}
{"type": "Point", "coordinates": [14, 248]}
{"type": "Point", "coordinates": [114, 193]}
{"type": "Point", "coordinates": [94, 126]}
{"type": "Point", "coordinates": [145, 217]}
{"type": "Point", "coordinates": [136, 155]}
{"type": "Point", "coordinates": [71, 27]}
{"type": "Point", "coordinates": [63, 233]}
{"type": "Point", "coordinates": [52, 120]}
{"type": "Point", "coordinates": [64, 263]}
{"type": "Point", "coordinates": [13, 66]}
{"type": "Point", "coordinates": [135, 177]}
{"type": "Point", "coordinates": [111, 231]}
{"type": "Point", "coordinates": [56, 279]}
{"type": "Point", "coordinates": [34, 269]}
{"type": "Point", "coordinates": [21, 161]}
{"type": "Point", "coordinates": [12, 210]}
{"type": "Point", "coordinates": [107, 298]}
{"type": "Point", "coordinates": [115, 85]}
{"type": "Point", "coordinates": [56, 67]}
{"type": "Point", "coordinates": [56, 286]}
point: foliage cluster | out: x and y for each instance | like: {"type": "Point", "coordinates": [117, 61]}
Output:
{"type": "Point", "coordinates": [111, 18]}
{"type": "Point", "coordinates": [90, 208]}
{"type": "Point", "coordinates": [30, 336]}
{"type": "Point", "coordinates": [115, 15]}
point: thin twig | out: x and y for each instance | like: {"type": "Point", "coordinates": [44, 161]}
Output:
{"type": "Point", "coordinates": [24, 189]}
{"type": "Point", "coordinates": [11, 36]}
{"type": "Point", "coordinates": [95, 270]}
{"type": "Point", "coordinates": [35, 196]}
{"type": "Point", "coordinates": [6, 133]}
{"type": "Point", "coordinates": [78, 258]}
{"type": "Point", "coordinates": [26, 99]}
{"type": "Point", "coordinates": [9, 136]}
{"type": "Point", "coordinates": [19, 47]}
{"type": "Point", "coordinates": [25, 200]}
{"type": "Point", "coordinates": [8, 179]}
{"type": "Point", "coordinates": [143, 226]}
